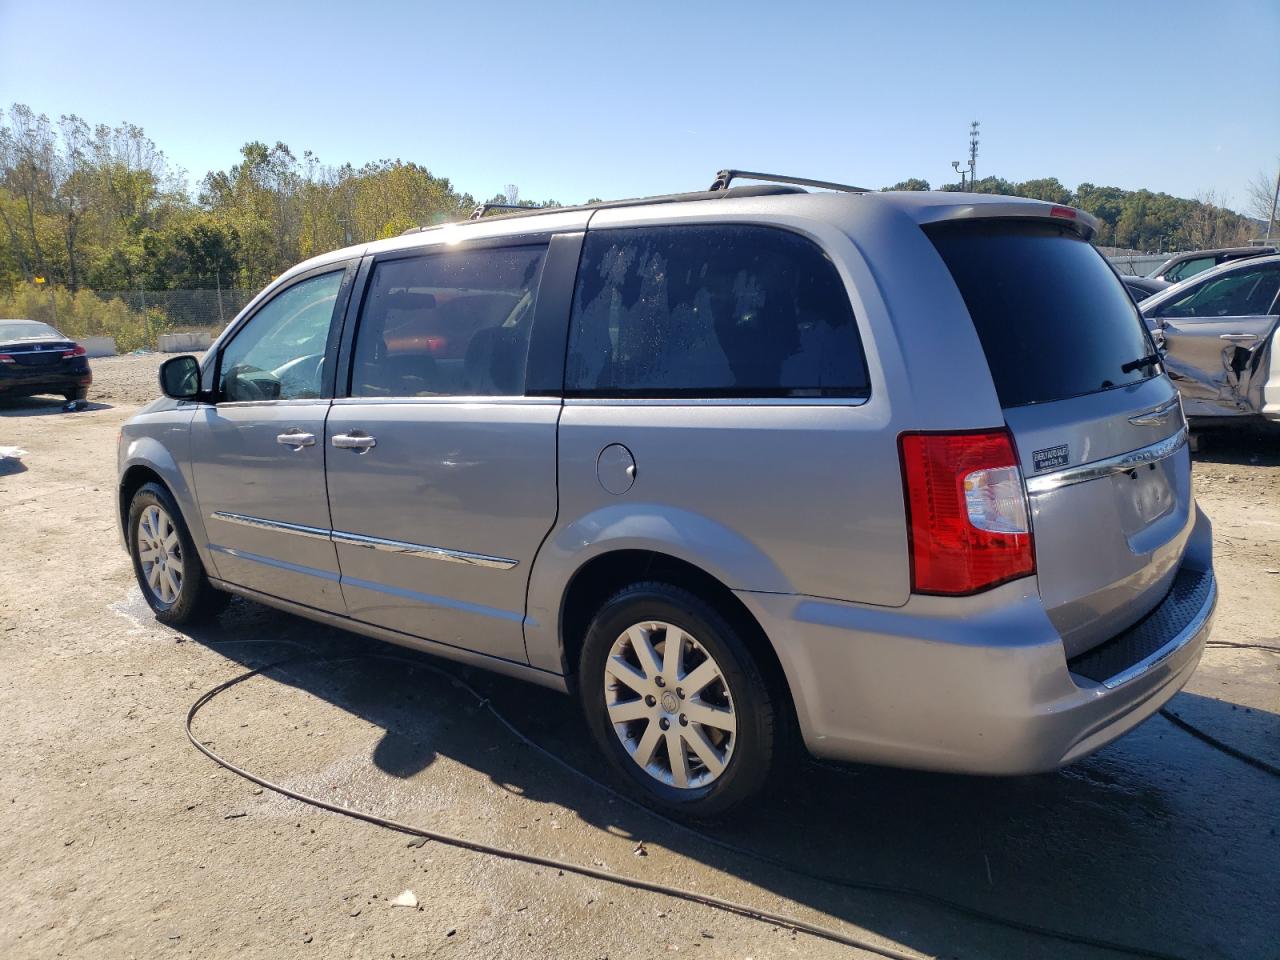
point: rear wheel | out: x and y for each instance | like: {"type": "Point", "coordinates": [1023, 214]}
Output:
{"type": "Point", "coordinates": [165, 560]}
{"type": "Point", "coordinates": [676, 700]}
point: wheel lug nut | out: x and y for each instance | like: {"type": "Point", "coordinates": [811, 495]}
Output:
{"type": "Point", "coordinates": [651, 700]}
{"type": "Point", "coordinates": [684, 721]}
{"type": "Point", "coordinates": [664, 723]}
{"type": "Point", "coordinates": [680, 692]}
{"type": "Point", "coordinates": [659, 681]}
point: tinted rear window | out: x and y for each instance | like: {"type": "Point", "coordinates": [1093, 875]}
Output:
{"type": "Point", "coordinates": [25, 329]}
{"type": "Point", "coordinates": [1054, 319]}
{"type": "Point", "coordinates": [711, 311]}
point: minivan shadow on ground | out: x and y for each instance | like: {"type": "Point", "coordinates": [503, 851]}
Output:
{"type": "Point", "coordinates": [1158, 842]}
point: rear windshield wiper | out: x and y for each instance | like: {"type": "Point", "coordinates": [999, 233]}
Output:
{"type": "Point", "coordinates": [1150, 360]}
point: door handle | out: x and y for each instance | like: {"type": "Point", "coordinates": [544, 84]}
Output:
{"type": "Point", "coordinates": [1238, 337]}
{"type": "Point", "coordinates": [358, 442]}
{"type": "Point", "coordinates": [296, 439]}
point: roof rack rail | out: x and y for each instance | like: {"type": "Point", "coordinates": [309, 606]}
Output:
{"type": "Point", "coordinates": [726, 177]}
{"type": "Point", "coordinates": [719, 190]}
{"type": "Point", "coordinates": [483, 208]}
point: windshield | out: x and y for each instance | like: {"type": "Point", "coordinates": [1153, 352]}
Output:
{"type": "Point", "coordinates": [1053, 317]}
{"type": "Point", "coordinates": [27, 330]}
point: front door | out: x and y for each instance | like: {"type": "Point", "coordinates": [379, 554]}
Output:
{"type": "Point", "coordinates": [258, 452]}
{"type": "Point", "coordinates": [441, 472]}
{"type": "Point", "coordinates": [1217, 338]}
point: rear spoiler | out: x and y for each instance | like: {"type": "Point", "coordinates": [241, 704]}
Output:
{"type": "Point", "coordinates": [1085, 224]}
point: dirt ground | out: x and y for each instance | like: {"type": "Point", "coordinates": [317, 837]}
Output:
{"type": "Point", "coordinates": [121, 840]}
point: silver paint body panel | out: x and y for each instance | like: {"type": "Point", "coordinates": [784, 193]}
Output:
{"type": "Point", "coordinates": [477, 476]}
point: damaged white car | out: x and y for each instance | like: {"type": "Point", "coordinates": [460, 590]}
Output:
{"type": "Point", "coordinates": [1217, 332]}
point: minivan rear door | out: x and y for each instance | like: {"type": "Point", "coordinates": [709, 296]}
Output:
{"type": "Point", "coordinates": [1099, 433]}
{"type": "Point", "coordinates": [1217, 337]}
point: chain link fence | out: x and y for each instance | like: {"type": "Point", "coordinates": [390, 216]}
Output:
{"type": "Point", "coordinates": [205, 310]}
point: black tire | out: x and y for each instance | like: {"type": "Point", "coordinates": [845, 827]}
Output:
{"type": "Point", "coordinates": [197, 599]}
{"type": "Point", "coordinates": [757, 707]}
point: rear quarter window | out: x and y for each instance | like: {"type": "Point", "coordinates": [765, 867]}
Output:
{"type": "Point", "coordinates": [1054, 319]}
{"type": "Point", "coordinates": [723, 310]}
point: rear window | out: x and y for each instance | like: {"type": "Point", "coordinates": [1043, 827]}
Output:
{"type": "Point", "coordinates": [1054, 319]}
{"type": "Point", "coordinates": [722, 310]}
{"type": "Point", "coordinates": [26, 330]}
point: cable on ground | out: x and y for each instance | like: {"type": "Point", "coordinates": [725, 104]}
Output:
{"type": "Point", "coordinates": [827, 933]}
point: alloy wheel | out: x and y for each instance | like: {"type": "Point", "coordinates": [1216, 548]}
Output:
{"type": "Point", "coordinates": [160, 554]}
{"type": "Point", "coordinates": [669, 704]}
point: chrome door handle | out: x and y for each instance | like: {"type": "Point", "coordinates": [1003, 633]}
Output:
{"type": "Point", "coordinates": [1238, 337]}
{"type": "Point", "coordinates": [296, 439]}
{"type": "Point", "coordinates": [354, 441]}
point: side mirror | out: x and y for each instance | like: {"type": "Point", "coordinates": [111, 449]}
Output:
{"type": "Point", "coordinates": [180, 378]}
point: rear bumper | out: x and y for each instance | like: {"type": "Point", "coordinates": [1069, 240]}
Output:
{"type": "Point", "coordinates": [981, 684]}
{"type": "Point", "coordinates": [26, 383]}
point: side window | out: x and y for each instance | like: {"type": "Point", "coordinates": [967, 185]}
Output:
{"type": "Point", "coordinates": [1242, 293]}
{"type": "Point", "coordinates": [454, 323]}
{"type": "Point", "coordinates": [279, 353]}
{"type": "Point", "coordinates": [711, 311]}
{"type": "Point", "coordinates": [1189, 268]}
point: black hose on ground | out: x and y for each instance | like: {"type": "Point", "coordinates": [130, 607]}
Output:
{"type": "Point", "coordinates": [1256, 762]}
{"type": "Point", "coordinates": [718, 903]}
{"type": "Point", "coordinates": [827, 933]}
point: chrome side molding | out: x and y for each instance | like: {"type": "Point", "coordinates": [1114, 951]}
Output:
{"type": "Point", "coordinates": [373, 543]}
{"type": "Point", "coordinates": [422, 550]}
{"type": "Point", "coordinates": [1109, 467]}
{"type": "Point", "coordinates": [279, 526]}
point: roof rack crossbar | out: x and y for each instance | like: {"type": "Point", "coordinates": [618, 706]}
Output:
{"type": "Point", "coordinates": [484, 208]}
{"type": "Point", "coordinates": [726, 177]}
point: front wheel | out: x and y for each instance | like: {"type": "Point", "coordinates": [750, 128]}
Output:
{"type": "Point", "coordinates": [165, 560]}
{"type": "Point", "coordinates": [676, 700]}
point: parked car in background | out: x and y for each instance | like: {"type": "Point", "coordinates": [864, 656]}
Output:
{"type": "Point", "coordinates": [1183, 266]}
{"type": "Point", "coordinates": [1218, 335]}
{"type": "Point", "coordinates": [725, 465]}
{"type": "Point", "coordinates": [35, 358]}
{"type": "Point", "coordinates": [1142, 287]}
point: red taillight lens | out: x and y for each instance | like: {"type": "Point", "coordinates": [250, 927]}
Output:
{"type": "Point", "coordinates": [966, 511]}
{"type": "Point", "coordinates": [5, 358]}
{"type": "Point", "coordinates": [79, 351]}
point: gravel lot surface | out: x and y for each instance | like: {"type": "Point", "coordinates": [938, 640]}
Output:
{"type": "Point", "coordinates": [122, 840]}
{"type": "Point", "coordinates": [131, 379]}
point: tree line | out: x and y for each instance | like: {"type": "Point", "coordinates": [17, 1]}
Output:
{"type": "Point", "coordinates": [101, 207]}
{"type": "Point", "coordinates": [1131, 219]}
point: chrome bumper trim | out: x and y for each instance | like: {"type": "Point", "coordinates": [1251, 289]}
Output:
{"type": "Point", "coordinates": [373, 543]}
{"type": "Point", "coordinates": [1188, 634]}
{"type": "Point", "coordinates": [1111, 466]}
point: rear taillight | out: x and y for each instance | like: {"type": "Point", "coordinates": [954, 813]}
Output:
{"type": "Point", "coordinates": [966, 511]}
{"type": "Point", "coordinates": [79, 351]}
{"type": "Point", "coordinates": [5, 358]}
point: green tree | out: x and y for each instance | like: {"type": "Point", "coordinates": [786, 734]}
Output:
{"type": "Point", "coordinates": [911, 183]}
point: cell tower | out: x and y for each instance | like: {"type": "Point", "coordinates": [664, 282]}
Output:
{"type": "Point", "coordinates": [973, 158]}
{"type": "Point", "coordinates": [973, 152]}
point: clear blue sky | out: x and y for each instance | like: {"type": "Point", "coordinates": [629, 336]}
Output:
{"type": "Point", "coordinates": [608, 99]}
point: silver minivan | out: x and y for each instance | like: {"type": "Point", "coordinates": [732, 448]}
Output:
{"type": "Point", "coordinates": [898, 476]}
